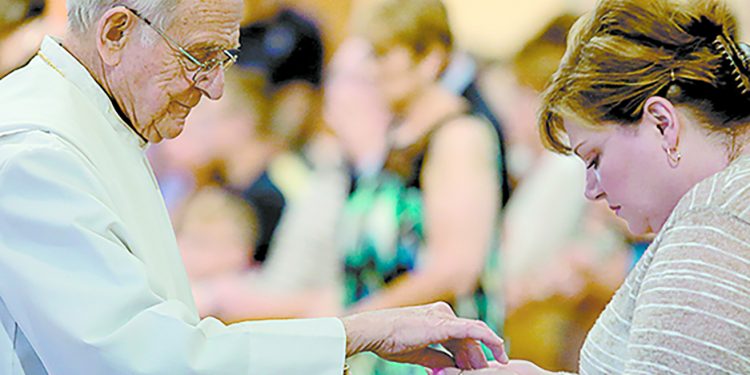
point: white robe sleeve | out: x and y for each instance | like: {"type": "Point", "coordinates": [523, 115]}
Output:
{"type": "Point", "coordinates": [83, 300]}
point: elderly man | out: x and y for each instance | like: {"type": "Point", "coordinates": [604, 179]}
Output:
{"type": "Point", "coordinates": [90, 277]}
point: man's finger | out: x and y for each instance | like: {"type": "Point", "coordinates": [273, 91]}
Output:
{"type": "Point", "coordinates": [468, 353]}
{"type": "Point", "coordinates": [430, 358]}
{"type": "Point", "coordinates": [478, 330]}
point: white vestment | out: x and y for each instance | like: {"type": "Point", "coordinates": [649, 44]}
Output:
{"type": "Point", "coordinates": [91, 280]}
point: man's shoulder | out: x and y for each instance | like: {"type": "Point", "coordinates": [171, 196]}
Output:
{"type": "Point", "coordinates": [38, 99]}
{"type": "Point", "coordinates": [32, 75]}
{"type": "Point", "coordinates": [17, 145]}
{"type": "Point", "coordinates": [34, 93]}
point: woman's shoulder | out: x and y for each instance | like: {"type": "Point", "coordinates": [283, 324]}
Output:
{"type": "Point", "coordinates": [726, 192]}
{"type": "Point", "coordinates": [711, 223]}
{"type": "Point", "coordinates": [712, 220]}
{"type": "Point", "coordinates": [465, 130]}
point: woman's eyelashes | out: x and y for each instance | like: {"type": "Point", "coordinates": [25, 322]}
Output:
{"type": "Point", "coordinates": [593, 163]}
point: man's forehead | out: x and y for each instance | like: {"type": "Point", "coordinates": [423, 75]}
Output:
{"type": "Point", "coordinates": [208, 13]}
{"type": "Point", "coordinates": [227, 7]}
{"type": "Point", "coordinates": [208, 24]}
{"type": "Point", "coordinates": [207, 46]}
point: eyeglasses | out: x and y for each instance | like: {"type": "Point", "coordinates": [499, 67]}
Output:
{"type": "Point", "coordinates": [217, 59]}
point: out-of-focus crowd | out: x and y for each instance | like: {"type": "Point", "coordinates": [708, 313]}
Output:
{"type": "Point", "coordinates": [360, 159]}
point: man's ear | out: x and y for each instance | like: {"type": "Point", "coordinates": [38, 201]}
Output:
{"type": "Point", "coordinates": [114, 31]}
{"type": "Point", "coordinates": [660, 114]}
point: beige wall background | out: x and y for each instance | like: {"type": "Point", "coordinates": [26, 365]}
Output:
{"type": "Point", "coordinates": [498, 28]}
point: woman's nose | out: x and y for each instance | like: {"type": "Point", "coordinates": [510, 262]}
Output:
{"type": "Point", "coordinates": [593, 189]}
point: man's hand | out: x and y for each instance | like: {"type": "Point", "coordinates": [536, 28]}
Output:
{"type": "Point", "coordinates": [405, 334]}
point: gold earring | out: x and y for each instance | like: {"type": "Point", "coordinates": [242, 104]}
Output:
{"type": "Point", "coordinates": [674, 156]}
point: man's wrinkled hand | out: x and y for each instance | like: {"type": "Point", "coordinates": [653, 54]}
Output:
{"type": "Point", "coordinates": [405, 335]}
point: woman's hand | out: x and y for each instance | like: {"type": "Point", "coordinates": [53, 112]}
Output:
{"type": "Point", "coordinates": [514, 367]}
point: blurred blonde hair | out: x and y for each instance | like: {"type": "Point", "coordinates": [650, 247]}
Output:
{"type": "Point", "coordinates": [540, 57]}
{"type": "Point", "coordinates": [626, 51]}
{"type": "Point", "coordinates": [249, 91]}
{"type": "Point", "coordinates": [214, 205]}
{"type": "Point", "coordinates": [246, 92]}
{"type": "Point", "coordinates": [418, 25]}
{"type": "Point", "coordinates": [12, 13]}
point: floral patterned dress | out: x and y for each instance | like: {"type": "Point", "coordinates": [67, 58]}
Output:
{"type": "Point", "coordinates": [383, 237]}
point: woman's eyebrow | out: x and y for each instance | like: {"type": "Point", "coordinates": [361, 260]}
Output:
{"type": "Point", "coordinates": [576, 149]}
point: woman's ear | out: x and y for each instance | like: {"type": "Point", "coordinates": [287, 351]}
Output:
{"type": "Point", "coordinates": [660, 114]}
{"type": "Point", "coordinates": [113, 33]}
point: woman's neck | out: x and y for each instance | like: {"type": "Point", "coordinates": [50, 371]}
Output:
{"type": "Point", "coordinates": [738, 146]}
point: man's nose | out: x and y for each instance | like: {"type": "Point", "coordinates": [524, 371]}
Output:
{"type": "Point", "coordinates": [211, 84]}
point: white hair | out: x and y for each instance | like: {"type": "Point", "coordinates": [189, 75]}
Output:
{"type": "Point", "coordinates": [83, 14]}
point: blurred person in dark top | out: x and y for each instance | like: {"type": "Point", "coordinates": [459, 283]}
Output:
{"type": "Point", "coordinates": [286, 48]}
{"type": "Point", "coordinates": [421, 222]}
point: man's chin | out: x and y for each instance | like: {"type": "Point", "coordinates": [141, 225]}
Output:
{"type": "Point", "coordinates": [169, 131]}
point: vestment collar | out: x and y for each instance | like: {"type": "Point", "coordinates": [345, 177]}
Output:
{"type": "Point", "coordinates": [64, 63]}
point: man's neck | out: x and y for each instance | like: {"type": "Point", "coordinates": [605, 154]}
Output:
{"type": "Point", "coordinates": [90, 61]}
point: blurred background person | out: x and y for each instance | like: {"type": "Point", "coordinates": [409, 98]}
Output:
{"type": "Point", "coordinates": [420, 223]}
{"type": "Point", "coordinates": [216, 235]}
{"type": "Point", "coordinates": [306, 241]}
{"type": "Point", "coordinates": [302, 187]}
{"type": "Point", "coordinates": [287, 50]}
